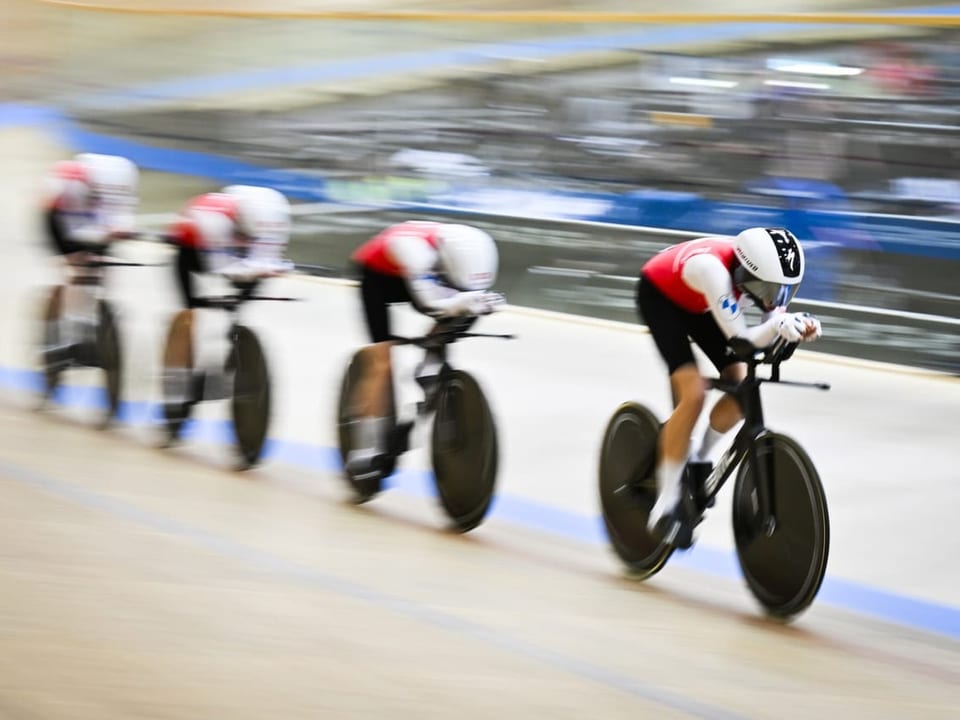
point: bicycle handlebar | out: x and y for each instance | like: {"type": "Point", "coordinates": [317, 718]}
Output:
{"type": "Point", "coordinates": [776, 353]}
{"type": "Point", "coordinates": [445, 337]}
{"type": "Point", "coordinates": [113, 262]}
{"type": "Point", "coordinates": [230, 302]}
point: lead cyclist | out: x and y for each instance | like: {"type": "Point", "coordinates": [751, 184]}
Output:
{"type": "Point", "coordinates": [696, 291]}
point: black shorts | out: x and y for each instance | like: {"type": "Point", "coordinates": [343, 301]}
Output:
{"type": "Point", "coordinates": [58, 235]}
{"type": "Point", "coordinates": [673, 328]}
{"type": "Point", "coordinates": [188, 262]}
{"type": "Point", "coordinates": [379, 291]}
{"type": "Point", "coordinates": [191, 261]}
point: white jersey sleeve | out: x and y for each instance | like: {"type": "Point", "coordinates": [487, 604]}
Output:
{"type": "Point", "coordinates": [707, 275]}
{"type": "Point", "coordinates": [80, 219]}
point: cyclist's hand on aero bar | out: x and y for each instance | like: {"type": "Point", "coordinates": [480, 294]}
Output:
{"type": "Point", "coordinates": [122, 233]}
{"type": "Point", "coordinates": [248, 269]}
{"type": "Point", "coordinates": [275, 267]}
{"type": "Point", "coordinates": [791, 326]}
{"type": "Point", "coordinates": [813, 330]}
{"type": "Point", "coordinates": [489, 302]}
{"type": "Point", "coordinates": [473, 303]}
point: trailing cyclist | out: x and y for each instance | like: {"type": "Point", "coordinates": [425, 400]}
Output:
{"type": "Point", "coordinates": [696, 291]}
{"type": "Point", "coordinates": [89, 202]}
{"type": "Point", "coordinates": [239, 233]}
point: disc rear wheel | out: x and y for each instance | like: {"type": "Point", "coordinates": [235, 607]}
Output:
{"type": "Point", "coordinates": [628, 488]}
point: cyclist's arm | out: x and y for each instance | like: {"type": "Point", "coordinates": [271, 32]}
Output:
{"type": "Point", "coordinates": [706, 274]}
{"type": "Point", "coordinates": [232, 257]}
{"type": "Point", "coordinates": [76, 217]}
{"type": "Point", "coordinates": [82, 228]}
{"type": "Point", "coordinates": [113, 220]}
{"type": "Point", "coordinates": [428, 295]}
{"type": "Point", "coordinates": [252, 268]}
{"type": "Point", "coordinates": [262, 257]}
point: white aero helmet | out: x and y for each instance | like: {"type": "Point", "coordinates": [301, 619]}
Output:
{"type": "Point", "coordinates": [771, 266]}
{"type": "Point", "coordinates": [111, 177]}
{"type": "Point", "coordinates": [468, 257]}
{"type": "Point", "coordinates": [262, 212]}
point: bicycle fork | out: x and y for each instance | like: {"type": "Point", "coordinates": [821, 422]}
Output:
{"type": "Point", "coordinates": [753, 433]}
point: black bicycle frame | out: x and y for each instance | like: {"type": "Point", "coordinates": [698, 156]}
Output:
{"type": "Point", "coordinates": [436, 344]}
{"type": "Point", "coordinates": [744, 444]}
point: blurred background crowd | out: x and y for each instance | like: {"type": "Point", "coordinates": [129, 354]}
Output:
{"type": "Point", "coordinates": [845, 132]}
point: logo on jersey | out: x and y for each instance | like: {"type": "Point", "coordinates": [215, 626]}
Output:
{"type": "Point", "coordinates": [787, 250]}
{"type": "Point", "coordinates": [729, 307]}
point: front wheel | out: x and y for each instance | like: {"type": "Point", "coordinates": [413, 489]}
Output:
{"type": "Point", "coordinates": [628, 488]}
{"type": "Point", "coordinates": [109, 358]}
{"type": "Point", "coordinates": [785, 565]}
{"type": "Point", "coordinates": [251, 396]}
{"type": "Point", "coordinates": [465, 452]}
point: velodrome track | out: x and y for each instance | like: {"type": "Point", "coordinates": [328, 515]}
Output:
{"type": "Point", "coordinates": [138, 582]}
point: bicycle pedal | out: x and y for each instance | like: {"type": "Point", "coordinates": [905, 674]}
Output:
{"type": "Point", "coordinates": [697, 474]}
{"type": "Point", "coordinates": [399, 440]}
{"type": "Point", "coordinates": [198, 384]}
{"type": "Point", "coordinates": [85, 354]}
{"type": "Point", "coordinates": [684, 537]}
{"type": "Point", "coordinates": [369, 474]}
{"type": "Point", "coordinates": [364, 467]}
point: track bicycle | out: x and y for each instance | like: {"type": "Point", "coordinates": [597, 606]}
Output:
{"type": "Point", "coordinates": [243, 378]}
{"type": "Point", "coordinates": [780, 521]}
{"type": "Point", "coordinates": [87, 336]}
{"type": "Point", "coordinates": [464, 448]}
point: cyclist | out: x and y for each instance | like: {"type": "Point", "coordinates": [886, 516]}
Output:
{"type": "Point", "coordinates": [89, 202]}
{"type": "Point", "coordinates": [696, 290]}
{"type": "Point", "coordinates": [239, 233]}
{"type": "Point", "coordinates": [445, 271]}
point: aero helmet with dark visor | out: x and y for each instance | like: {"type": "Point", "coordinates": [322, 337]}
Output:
{"type": "Point", "coordinates": [771, 266]}
{"type": "Point", "coordinates": [468, 257]}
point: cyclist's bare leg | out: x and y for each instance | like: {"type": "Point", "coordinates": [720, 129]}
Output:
{"type": "Point", "coordinates": [689, 392]}
{"type": "Point", "coordinates": [371, 406]}
{"type": "Point", "coordinates": [52, 314]}
{"type": "Point", "coordinates": [370, 396]}
{"type": "Point", "coordinates": [54, 308]}
{"type": "Point", "coordinates": [178, 357]}
{"type": "Point", "coordinates": [725, 414]}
